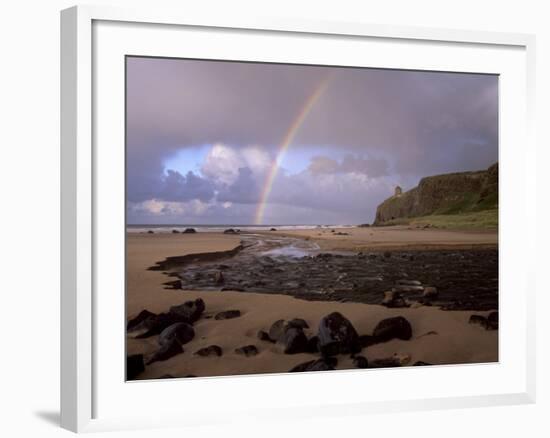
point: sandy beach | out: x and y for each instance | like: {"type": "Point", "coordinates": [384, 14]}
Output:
{"type": "Point", "coordinates": [438, 337]}
{"type": "Point", "coordinates": [395, 238]}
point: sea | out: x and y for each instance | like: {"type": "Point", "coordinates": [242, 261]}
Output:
{"type": "Point", "coordinates": [199, 228]}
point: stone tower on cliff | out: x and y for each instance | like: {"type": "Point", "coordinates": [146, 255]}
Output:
{"type": "Point", "coordinates": [398, 191]}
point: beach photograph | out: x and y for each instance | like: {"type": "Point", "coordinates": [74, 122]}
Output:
{"type": "Point", "coordinates": [285, 218]}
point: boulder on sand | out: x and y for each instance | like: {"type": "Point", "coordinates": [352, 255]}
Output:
{"type": "Point", "coordinates": [190, 311]}
{"type": "Point", "coordinates": [211, 350]}
{"type": "Point", "coordinates": [181, 332]}
{"type": "Point", "coordinates": [337, 335]}
{"type": "Point", "coordinates": [136, 321]}
{"type": "Point", "coordinates": [290, 334]}
{"type": "Point", "coordinates": [247, 350]}
{"type": "Point", "coordinates": [264, 336]}
{"type": "Point", "coordinates": [360, 362]}
{"type": "Point", "coordinates": [478, 320]}
{"type": "Point", "coordinates": [313, 345]}
{"type": "Point", "coordinates": [323, 364]}
{"type": "Point", "coordinates": [189, 231]}
{"type": "Point", "coordinates": [277, 330]}
{"type": "Point", "coordinates": [134, 366]}
{"type": "Point", "coordinates": [492, 321]}
{"type": "Point", "coordinates": [166, 351]}
{"type": "Point", "coordinates": [391, 328]}
{"type": "Point", "coordinates": [295, 341]}
{"type": "Point", "coordinates": [366, 341]}
{"type": "Point", "coordinates": [298, 322]}
{"type": "Point", "coordinates": [397, 360]}
{"type": "Point", "coordinates": [155, 324]}
{"type": "Point", "coordinates": [228, 314]}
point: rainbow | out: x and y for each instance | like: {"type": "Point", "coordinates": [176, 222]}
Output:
{"type": "Point", "coordinates": [283, 147]}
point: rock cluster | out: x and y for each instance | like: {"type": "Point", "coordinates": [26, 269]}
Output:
{"type": "Point", "coordinates": [396, 297]}
{"type": "Point", "coordinates": [174, 329]}
{"type": "Point", "coordinates": [336, 336]}
{"type": "Point", "coordinates": [396, 279]}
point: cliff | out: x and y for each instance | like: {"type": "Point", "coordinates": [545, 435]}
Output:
{"type": "Point", "coordinates": [447, 194]}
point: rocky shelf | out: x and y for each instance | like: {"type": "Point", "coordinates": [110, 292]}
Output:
{"type": "Point", "coordinates": [451, 279]}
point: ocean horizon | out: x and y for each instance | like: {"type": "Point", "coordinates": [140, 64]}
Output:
{"type": "Point", "coordinates": [167, 228]}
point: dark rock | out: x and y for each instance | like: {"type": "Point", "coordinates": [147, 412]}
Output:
{"type": "Point", "coordinates": [387, 254]}
{"type": "Point", "coordinates": [189, 376]}
{"type": "Point", "coordinates": [430, 292]}
{"type": "Point", "coordinates": [156, 324]}
{"type": "Point", "coordinates": [150, 232]}
{"type": "Point", "coordinates": [393, 299]}
{"type": "Point", "coordinates": [366, 341]}
{"type": "Point", "coordinates": [175, 232]}
{"type": "Point", "coordinates": [337, 335]}
{"type": "Point", "coordinates": [277, 330]}
{"type": "Point", "coordinates": [492, 321]}
{"type": "Point", "coordinates": [230, 231]}
{"type": "Point", "coordinates": [247, 350]}
{"type": "Point", "coordinates": [211, 350]}
{"type": "Point", "coordinates": [290, 334]}
{"type": "Point", "coordinates": [232, 288]}
{"type": "Point", "coordinates": [142, 316]}
{"type": "Point", "coordinates": [360, 362]}
{"type": "Point", "coordinates": [323, 364]}
{"type": "Point", "coordinates": [419, 363]}
{"type": "Point", "coordinates": [479, 320]}
{"type": "Point", "coordinates": [175, 284]}
{"type": "Point", "coordinates": [181, 332]}
{"type": "Point", "coordinates": [273, 229]}
{"type": "Point", "coordinates": [388, 362]}
{"type": "Point", "coordinates": [166, 351]}
{"type": "Point", "coordinates": [264, 336]}
{"type": "Point", "coordinates": [134, 366]}
{"type": "Point", "coordinates": [390, 328]}
{"type": "Point", "coordinates": [295, 341]}
{"type": "Point", "coordinates": [228, 314]}
{"type": "Point", "coordinates": [299, 323]}
{"type": "Point", "coordinates": [189, 231]}
{"type": "Point", "coordinates": [313, 345]}
{"type": "Point", "coordinates": [190, 311]}
{"type": "Point", "coordinates": [219, 278]}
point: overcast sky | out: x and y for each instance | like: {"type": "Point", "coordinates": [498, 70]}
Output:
{"type": "Point", "coordinates": [203, 135]}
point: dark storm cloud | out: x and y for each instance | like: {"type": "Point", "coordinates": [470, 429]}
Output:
{"type": "Point", "coordinates": [180, 188]}
{"type": "Point", "coordinates": [385, 124]}
{"type": "Point", "coordinates": [244, 190]}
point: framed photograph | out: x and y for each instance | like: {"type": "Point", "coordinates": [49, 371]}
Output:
{"type": "Point", "coordinates": [283, 217]}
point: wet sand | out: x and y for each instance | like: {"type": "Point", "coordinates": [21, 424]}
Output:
{"type": "Point", "coordinates": [439, 337]}
{"type": "Point", "coordinates": [395, 238]}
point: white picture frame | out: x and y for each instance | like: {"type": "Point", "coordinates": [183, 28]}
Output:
{"type": "Point", "coordinates": [82, 390]}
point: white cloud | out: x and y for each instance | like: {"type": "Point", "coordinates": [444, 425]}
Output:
{"type": "Point", "coordinates": [155, 207]}
{"type": "Point", "coordinates": [222, 163]}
